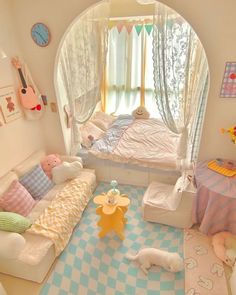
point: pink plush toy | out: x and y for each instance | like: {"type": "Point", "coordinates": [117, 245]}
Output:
{"type": "Point", "coordinates": [49, 162]}
{"type": "Point", "coordinates": [218, 242]}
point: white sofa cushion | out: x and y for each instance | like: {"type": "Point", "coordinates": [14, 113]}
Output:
{"type": "Point", "coordinates": [11, 244]}
{"type": "Point", "coordinates": [29, 163]}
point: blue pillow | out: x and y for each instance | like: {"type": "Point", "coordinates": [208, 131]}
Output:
{"type": "Point", "coordinates": [36, 182]}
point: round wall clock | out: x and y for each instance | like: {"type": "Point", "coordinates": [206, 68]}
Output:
{"type": "Point", "coordinates": [40, 34]}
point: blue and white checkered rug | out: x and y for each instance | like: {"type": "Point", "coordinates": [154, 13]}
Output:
{"type": "Point", "coordinates": [93, 266]}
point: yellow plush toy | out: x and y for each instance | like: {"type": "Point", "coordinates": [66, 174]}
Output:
{"type": "Point", "coordinates": [232, 133]}
{"type": "Point", "coordinates": [140, 113]}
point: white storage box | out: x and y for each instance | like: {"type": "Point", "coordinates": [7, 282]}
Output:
{"type": "Point", "coordinates": [158, 205]}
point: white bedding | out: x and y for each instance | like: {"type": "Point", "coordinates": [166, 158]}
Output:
{"type": "Point", "coordinates": [146, 142]}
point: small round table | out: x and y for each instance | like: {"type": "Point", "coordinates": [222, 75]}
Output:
{"type": "Point", "coordinates": [112, 215]}
{"type": "Point", "coordinates": [215, 204]}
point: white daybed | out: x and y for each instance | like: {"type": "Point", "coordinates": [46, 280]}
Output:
{"type": "Point", "coordinates": [133, 151]}
{"type": "Point", "coordinates": [38, 254]}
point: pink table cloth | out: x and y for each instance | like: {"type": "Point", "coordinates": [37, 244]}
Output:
{"type": "Point", "coordinates": [215, 204]}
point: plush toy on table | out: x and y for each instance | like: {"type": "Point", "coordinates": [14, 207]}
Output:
{"type": "Point", "coordinates": [61, 168]}
{"type": "Point", "coordinates": [140, 113]}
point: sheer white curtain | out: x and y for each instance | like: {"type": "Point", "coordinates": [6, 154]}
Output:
{"type": "Point", "coordinates": [180, 73]}
{"type": "Point", "coordinates": [80, 64]}
{"type": "Point", "coordinates": [127, 53]}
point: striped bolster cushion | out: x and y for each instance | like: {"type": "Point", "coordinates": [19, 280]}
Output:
{"type": "Point", "coordinates": [13, 222]}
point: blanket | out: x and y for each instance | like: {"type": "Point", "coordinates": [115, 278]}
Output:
{"type": "Point", "coordinates": [145, 142]}
{"type": "Point", "coordinates": [60, 217]}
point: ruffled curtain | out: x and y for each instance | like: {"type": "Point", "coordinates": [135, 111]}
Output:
{"type": "Point", "coordinates": [180, 73]}
{"type": "Point", "coordinates": [80, 65]}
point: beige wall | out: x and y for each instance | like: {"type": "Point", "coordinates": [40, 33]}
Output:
{"type": "Point", "coordinates": [19, 138]}
{"type": "Point", "coordinates": [213, 21]}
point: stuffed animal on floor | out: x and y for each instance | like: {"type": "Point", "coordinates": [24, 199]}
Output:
{"type": "Point", "coordinates": [222, 242]}
{"type": "Point", "coordinates": [152, 256]}
{"type": "Point", "coordinates": [49, 162]}
{"type": "Point", "coordinates": [140, 113]}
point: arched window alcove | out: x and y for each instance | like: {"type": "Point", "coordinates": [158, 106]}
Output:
{"type": "Point", "coordinates": [90, 55]}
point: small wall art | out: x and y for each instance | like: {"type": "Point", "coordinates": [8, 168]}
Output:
{"type": "Point", "coordinates": [8, 103]}
{"type": "Point", "coordinates": [228, 87]}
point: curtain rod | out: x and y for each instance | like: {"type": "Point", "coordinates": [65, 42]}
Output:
{"type": "Point", "coordinates": [135, 17]}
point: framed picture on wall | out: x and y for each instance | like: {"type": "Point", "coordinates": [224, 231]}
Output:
{"type": "Point", "coordinates": [228, 87]}
{"type": "Point", "coordinates": [8, 104]}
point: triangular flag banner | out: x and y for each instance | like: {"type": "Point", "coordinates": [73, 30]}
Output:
{"type": "Point", "coordinates": [129, 28]}
{"type": "Point", "coordinates": [111, 24]}
{"type": "Point", "coordinates": [148, 28]}
{"type": "Point", "coordinates": [138, 29]}
{"type": "Point", "coordinates": [119, 27]}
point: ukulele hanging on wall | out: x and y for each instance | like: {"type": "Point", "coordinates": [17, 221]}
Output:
{"type": "Point", "coordinates": [28, 98]}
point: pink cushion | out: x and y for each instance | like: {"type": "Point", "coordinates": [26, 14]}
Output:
{"type": "Point", "coordinates": [17, 199]}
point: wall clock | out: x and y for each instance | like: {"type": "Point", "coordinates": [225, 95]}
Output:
{"type": "Point", "coordinates": [40, 34]}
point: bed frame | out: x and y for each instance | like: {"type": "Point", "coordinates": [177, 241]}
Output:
{"type": "Point", "coordinates": [124, 173]}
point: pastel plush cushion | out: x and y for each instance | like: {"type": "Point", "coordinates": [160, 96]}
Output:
{"type": "Point", "coordinates": [5, 182]}
{"type": "Point", "coordinates": [11, 244]}
{"type": "Point", "coordinates": [28, 164]}
{"type": "Point", "coordinates": [36, 182]}
{"type": "Point", "coordinates": [66, 171]}
{"type": "Point", "coordinates": [17, 199]}
{"type": "Point", "coordinates": [13, 222]}
{"type": "Point", "coordinates": [90, 129]}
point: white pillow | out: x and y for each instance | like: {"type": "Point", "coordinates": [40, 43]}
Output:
{"type": "Point", "coordinates": [11, 244]}
{"type": "Point", "coordinates": [66, 171]}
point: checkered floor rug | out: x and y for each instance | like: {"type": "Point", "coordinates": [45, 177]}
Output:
{"type": "Point", "coordinates": [93, 266]}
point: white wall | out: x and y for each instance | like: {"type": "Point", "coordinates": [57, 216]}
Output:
{"type": "Point", "coordinates": [213, 21]}
{"type": "Point", "coordinates": [19, 138]}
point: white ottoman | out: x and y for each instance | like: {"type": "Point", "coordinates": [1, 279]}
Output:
{"type": "Point", "coordinates": [157, 197]}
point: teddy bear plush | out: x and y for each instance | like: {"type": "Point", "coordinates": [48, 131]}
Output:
{"type": "Point", "coordinates": [140, 113]}
{"type": "Point", "coordinates": [49, 162]}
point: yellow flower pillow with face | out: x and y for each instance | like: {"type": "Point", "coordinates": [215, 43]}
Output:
{"type": "Point", "coordinates": [140, 113]}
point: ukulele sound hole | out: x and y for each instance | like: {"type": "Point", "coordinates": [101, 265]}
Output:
{"type": "Point", "coordinates": [23, 91]}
